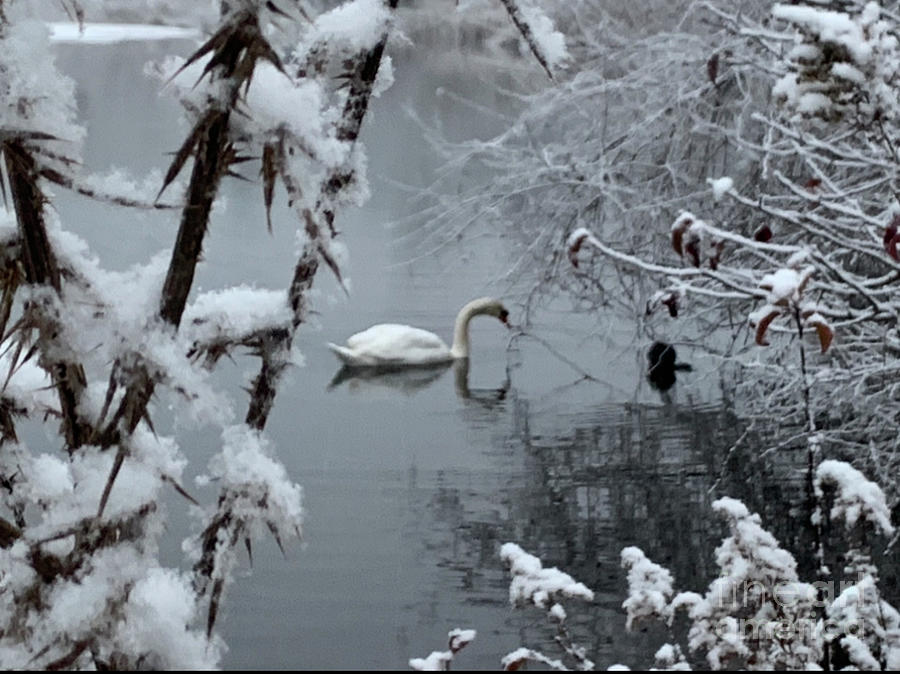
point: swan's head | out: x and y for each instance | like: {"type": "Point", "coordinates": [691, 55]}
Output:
{"type": "Point", "coordinates": [501, 313]}
{"type": "Point", "coordinates": [495, 308]}
{"type": "Point", "coordinates": [487, 306]}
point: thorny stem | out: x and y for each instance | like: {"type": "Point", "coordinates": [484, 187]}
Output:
{"type": "Point", "coordinates": [278, 344]}
{"type": "Point", "coordinates": [209, 167]}
{"type": "Point", "coordinates": [41, 268]}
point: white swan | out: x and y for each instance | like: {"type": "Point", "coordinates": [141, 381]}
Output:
{"type": "Point", "coordinates": [392, 345]}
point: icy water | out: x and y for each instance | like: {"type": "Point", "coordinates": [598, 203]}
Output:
{"type": "Point", "coordinates": [412, 484]}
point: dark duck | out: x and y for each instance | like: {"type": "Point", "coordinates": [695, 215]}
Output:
{"type": "Point", "coordinates": [662, 366]}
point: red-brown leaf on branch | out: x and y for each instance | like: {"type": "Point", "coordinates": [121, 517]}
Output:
{"type": "Point", "coordinates": [693, 252]}
{"type": "Point", "coordinates": [668, 298]}
{"type": "Point", "coordinates": [891, 237]}
{"type": "Point", "coordinates": [573, 250]}
{"type": "Point", "coordinates": [763, 234]}
{"type": "Point", "coordinates": [716, 255]}
{"type": "Point", "coordinates": [825, 333]}
{"type": "Point", "coordinates": [712, 68]}
{"type": "Point", "coordinates": [514, 665]}
{"type": "Point", "coordinates": [763, 325]}
{"type": "Point", "coordinates": [892, 247]}
{"type": "Point", "coordinates": [678, 234]}
{"type": "Point", "coordinates": [812, 184]}
{"type": "Point", "coordinates": [671, 302]}
{"type": "Point", "coordinates": [891, 230]}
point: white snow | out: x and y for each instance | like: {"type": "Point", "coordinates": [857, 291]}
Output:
{"type": "Point", "coordinates": [579, 235]}
{"type": "Point", "coordinates": [356, 25]}
{"type": "Point", "coordinates": [234, 312]}
{"type": "Point", "coordinates": [532, 583]}
{"type": "Point", "coordinates": [159, 606]}
{"type": "Point", "coordinates": [785, 285]}
{"type": "Point", "coordinates": [649, 587]}
{"type": "Point", "coordinates": [275, 100]}
{"type": "Point", "coordinates": [830, 26]}
{"type": "Point", "coordinates": [107, 33]}
{"type": "Point", "coordinates": [437, 661]}
{"type": "Point", "coordinates": [460, 638]}
{"type": "Point", "coordinates": [551, 43]}
{"type": "Point", "coordinates": [720, 186]}
{"type": "Point", "coordinates": [245, 462]}
{"type": "Point", "coordinates": [30, 76]}
{"type": "Point", "coordinates": [857, 498]}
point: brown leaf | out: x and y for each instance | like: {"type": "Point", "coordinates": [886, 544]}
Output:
{"type": "Point", "coordinates": [515, 665]}
{"type": "Point", "coordinates": [763, 325]}
{"type": "Point", "coordinates": [825, 333]}
{"type": "Point", "coordinates": [889, 233]}
{"type": "Point", "coordinates": [573, 250]}
{"type": "Point", "coordinates": [693, 252]}
{"type": "Point", "coordinates": [678, 235]}
{"type": "Point", "coordinates": [812, 184]}
{"type": "Point", "coordinates": [891, 230]}
{"type": "Point", "coordinates": [716, 254]}
{"type": "Point", "coordinates": [9, 533]}
{"type": "Point", "coordinates": [671, 301]}
{"type": "Point", "coordinates": [892, 247]}
{"type": "Point", "coordinates": [712, 67]}
{"type": "Point", "coordinates": [763, 234]}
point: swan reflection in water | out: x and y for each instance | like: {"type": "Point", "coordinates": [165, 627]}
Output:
{"type": "Point", "coordinates": [409, 380]}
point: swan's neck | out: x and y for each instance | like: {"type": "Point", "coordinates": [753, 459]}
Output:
{"type": "Point", "coordinates": [460, 348]}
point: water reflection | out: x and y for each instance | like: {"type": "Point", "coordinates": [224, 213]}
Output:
{"type": "Point", "coordinates": [409, 380]}
{"type": "Point", "coordinates": [489, 397]}
{"type": "Point", "coordinates": [576, 490]}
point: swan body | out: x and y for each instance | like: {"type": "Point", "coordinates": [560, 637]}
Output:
{"type": "Point", "coordinates": [395, 345]}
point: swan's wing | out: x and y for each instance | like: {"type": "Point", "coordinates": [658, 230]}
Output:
{"type": "Point", "coordinates": [391, 343]}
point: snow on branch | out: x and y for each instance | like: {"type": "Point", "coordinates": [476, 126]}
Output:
{"type": "Point", "coordinates": [547, 44]}
{"type": "Point", "coordinates": [533, 584]}
{"type": "Point", "coordinates": [546, 589]}
{"type": "Point", "coordinates": [856, 498]}
{"type": "Point", "coordinates": [841, 64]}
{"type": "Point", "coordinates": [650, 588]}
{"type": "Point", "coordinates": [439, 661]}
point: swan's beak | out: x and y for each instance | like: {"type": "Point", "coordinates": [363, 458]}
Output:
{"type": "Point", "coordinates": [504, 318]}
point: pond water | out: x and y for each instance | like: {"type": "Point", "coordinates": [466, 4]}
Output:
{"type": "Point", "coordinates": [411, 486]}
